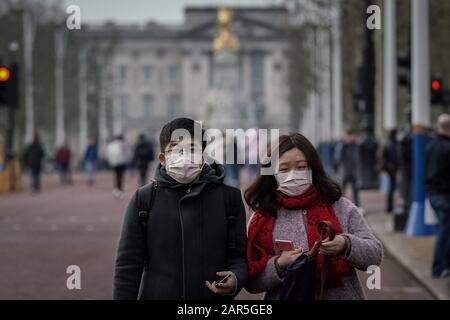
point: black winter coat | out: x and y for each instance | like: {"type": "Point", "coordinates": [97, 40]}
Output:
{"type": "Point", "coordinates": [143, 154]}
{"type": "Point", "coordinates": [437, 166]}
{"type": "Point", "coordinates": [33, 156]}
{"type": "Point", "coordinates": [187, 240]}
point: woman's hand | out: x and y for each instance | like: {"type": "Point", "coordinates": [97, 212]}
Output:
{"type": "Point", "coordinates": [333, 247]}
{"type": "Point", "coordinates": [225, 288]}
{"type": "Point", "coordinates": [287, 257]}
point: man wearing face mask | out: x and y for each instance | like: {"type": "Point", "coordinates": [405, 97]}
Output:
{"type": "Point", "coordinates": [195, 233]}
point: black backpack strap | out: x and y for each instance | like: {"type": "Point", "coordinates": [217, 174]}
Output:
{"type": "Point", "coordinates": [230, 210]}
{"type": "Point", "coordinates": [145, 197]}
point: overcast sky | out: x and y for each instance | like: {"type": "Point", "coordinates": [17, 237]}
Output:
{"type": "Point", "coordinates": [135, 11]}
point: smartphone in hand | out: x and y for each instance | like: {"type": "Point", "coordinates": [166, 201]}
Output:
{"type": "Point", "coordinates": [283, 245]}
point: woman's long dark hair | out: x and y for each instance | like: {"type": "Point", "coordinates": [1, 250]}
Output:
{"type": "Point", "coordinates": [262, 195]}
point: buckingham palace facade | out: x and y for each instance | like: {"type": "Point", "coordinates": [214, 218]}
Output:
{"type": "Point", "coordinates": [153, 73]}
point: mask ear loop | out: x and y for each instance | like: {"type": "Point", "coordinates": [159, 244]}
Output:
{"type": "Point", "coordinates": [310, 176]}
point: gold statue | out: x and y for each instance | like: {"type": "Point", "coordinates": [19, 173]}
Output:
{"type": "Point", "coordinates": [225, 40]}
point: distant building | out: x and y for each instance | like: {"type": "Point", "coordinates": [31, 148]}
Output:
{"type": "Point", "coordinates": [160, 72]}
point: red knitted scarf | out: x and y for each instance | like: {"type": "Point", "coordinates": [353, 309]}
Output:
{"type": "Point", "coordinates": [260, 246]}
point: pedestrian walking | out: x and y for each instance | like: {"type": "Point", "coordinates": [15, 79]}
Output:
{"type": "Point", "coordinates": [289, 207]}
{"type": "Point", "coordinates": [390, 163]}
{"type": "Point", "coordinates": [33, 156]}
{"type": "Point", "coordinates": [193, 232]}
{"type": "Point", "coordinates": [62, 160]}
{"type": "Point", "coordinates": [90, 162]}
{"type": "Point", "coordinates": [118, 156]}
{"type": "Point", "coordinates": [406, 169]}
{"type": "Point", "coordinates": [233, 169]}
{"type": "Point", "coordinates": [347, 162]}
{"type": "Point", "coordinates": [143, 156]}
{"type": "Point", "coordinates": [437, 186]}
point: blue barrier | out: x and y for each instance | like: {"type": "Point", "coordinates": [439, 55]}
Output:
{"type": "Point", "coordinates": [416, 221]}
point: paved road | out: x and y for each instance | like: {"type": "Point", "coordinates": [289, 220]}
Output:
{"type": "Point", "coordinates": [41, 235]}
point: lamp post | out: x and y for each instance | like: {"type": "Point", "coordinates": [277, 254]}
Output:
{"type": "Point", "coordinates": [420, 116]}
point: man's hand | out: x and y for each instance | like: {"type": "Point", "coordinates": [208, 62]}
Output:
{"type": "Point", "coordinates": [226, 288]}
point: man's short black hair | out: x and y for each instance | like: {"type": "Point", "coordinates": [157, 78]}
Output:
{"type": "Point", "coordinates": [179, 123]}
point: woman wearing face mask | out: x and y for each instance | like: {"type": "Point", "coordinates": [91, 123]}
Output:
{"type": "Point", "coordinates": [289, 206]}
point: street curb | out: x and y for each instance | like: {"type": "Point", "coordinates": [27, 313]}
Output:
{"type": "Point", "coordinates": [394, 243]}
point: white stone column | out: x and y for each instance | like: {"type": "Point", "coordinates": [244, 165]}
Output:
{"type": "Point", "coordinates": [325, 72]}
{"type": "Point", "coordinates": [337, 73]}
{"type": "Point", "coordinates": [102, 122]}
{"type": "Point", "coordinates": [420, 64]}
{"type": "Point", "coordinates": [82, 98]}
{"type": "Point", "coordinates": [29, 31]}
{"type": "Point", "coordinates": [60, 51]}
{"type": "Point", "coordinates": [416, 225]}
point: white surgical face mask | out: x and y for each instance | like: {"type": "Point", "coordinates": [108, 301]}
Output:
{"type": "Point", "coordinates": [294, 182]}
{"type": "Point", "coordinates": [184, 168]}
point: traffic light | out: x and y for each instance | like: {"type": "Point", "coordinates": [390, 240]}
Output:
{"type": "Point", "coordinates": [9, 86]}
{"type": "Point", "coordinates": [437, 92]}
{"type": "Point", "coordinates": [5, 75]}
{"type": "Point", "coordinates": [404, 70]}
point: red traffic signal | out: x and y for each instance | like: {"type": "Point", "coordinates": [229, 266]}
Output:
{"type": "Point", "coordinates": [5, 74]}
{"type": "Point", "coordinates": [437, 92]}
{"type": "Point", "coordinates": [436, 85]}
